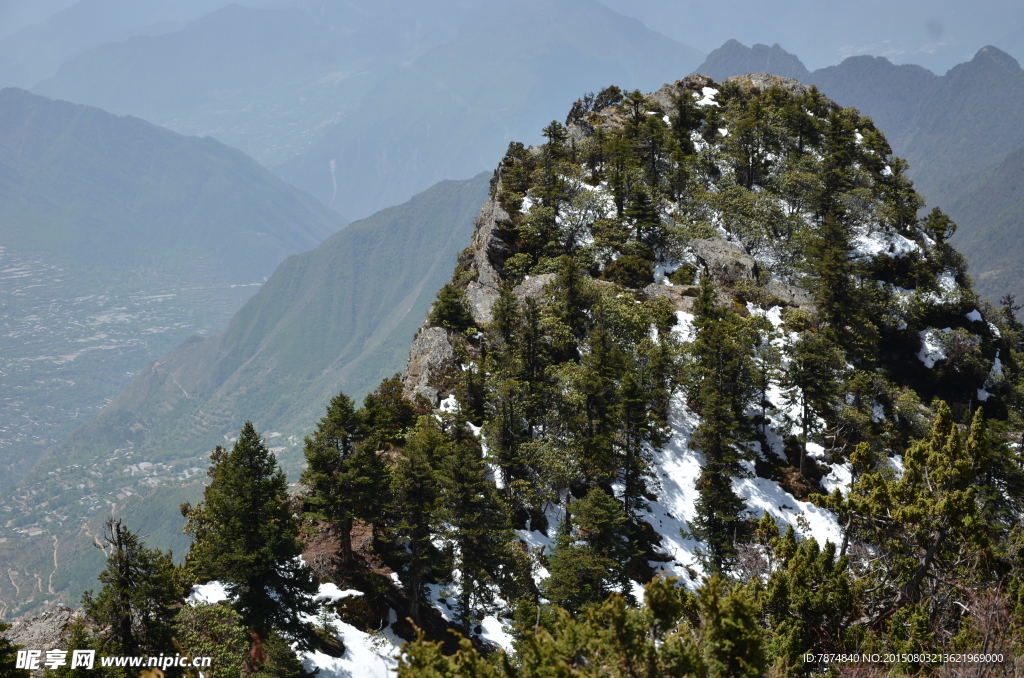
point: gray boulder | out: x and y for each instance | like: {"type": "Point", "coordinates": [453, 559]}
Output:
{"type": "Point", "coordinates": [724, 261]}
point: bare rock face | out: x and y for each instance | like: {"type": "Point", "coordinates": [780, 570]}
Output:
{"type": "Point", "coordinates": [724, 261]}
{"type": "Point", "coordinates": [431, 362]}
{"type": "Point", "coordinates": [791, 295]}
{"type": "Point", "coordinates": [763, 81]}
{"type": "Point", "coordinates": [533, 287]}
{"type": "Point", "coordinates": [483, 292]}
{"type": "Point", "coordinates": [481, 300]}
{"type": "Point", "coordinates": [44, 632]}
{"type": "Point", "coordinates": [681, 296]}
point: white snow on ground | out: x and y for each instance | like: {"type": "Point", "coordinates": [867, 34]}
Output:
{"type": "Point", "coordinates": [765, 496]}
{"type": "Point", "coordinates": [709, 97]}
{"type": "Point", "coordinates": [974, 316]}
{"type": "Point", "coordinates": [983, 395]}
{"type": "Point", "coordinates": [678, 468]}
{"type": "Point", "coordinates": [875, 243]}
{"type": "Point", "coordinates": [330, 593]}
{"type": "Point", "coordinates": [839, 478]}
{"type": "Point", "coordinates": [449, 404]}
{"type": "Point", "coordinates": [724, 131]}
{"type": "Point", "coordinates": [931, 348]}
{"type": "Point", "coordinates": [684, 326]}
{"type": "Point", "coordinates": [366, 655]}
{"type": "Point", "coordinates": [211, 592]}
{"type": "Point", "coordinates": [496, 632]}
{"type": "Point", "coordinates": [373, 655]}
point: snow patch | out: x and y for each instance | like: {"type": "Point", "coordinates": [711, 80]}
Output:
{"type": "Point", "coordinates": [209, 593]}
{"type": "Point", "coordinates": [872, 244]}
{"type": "Point", "coordinates": [709, 97]}
{"type": "Point", "coordinates": [974, 316]}
{"type": "Point", "coordinates": [494, 631]}
{"type": "Point", "coordinates": [366, 655]}
{"type": "Point", "coordinates": [330, 592]}
{"type": "Point", "coordinates": [931, 347]}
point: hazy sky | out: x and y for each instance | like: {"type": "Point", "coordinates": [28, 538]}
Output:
{"type": "Point", "coordinates": [937, 34]}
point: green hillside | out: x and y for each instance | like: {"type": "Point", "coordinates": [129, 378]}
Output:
{"type": "Point", "coordinates": [118, 240]}
{"type": "Point", "coordinates": [338, 317]}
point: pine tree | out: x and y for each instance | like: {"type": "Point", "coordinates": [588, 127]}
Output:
{"type": "Point", "coordinates": [416, 509]}
{"type": "Point", "coordinates": [592, 552]}
{"type": "Point", "coordinates": [8, 656]}
{"type": "Point", "coordinates": [718, 383]}
{"type": "Point", "coordinates": [476, 523]}
{"type": "Point", "coordinates": [812, 381]}
{"type": "Point", "coordinates": [246, 536]}
{"type": "Point", "coordinates": [139, 598]}
{"type": "Point", "coordinates": [346, 480]}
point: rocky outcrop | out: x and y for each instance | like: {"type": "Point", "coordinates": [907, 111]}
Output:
{"type": "Point", "coordinates": [481, 299]}
{"type": "Point", "coordinates": [791, 295]}
{"type": "Point", "coordinates": [724, 261]}
{"type": "Point", "coordinates": [431, 364]}
{"type": "Point", "coordinates": [44, 632]}
{"type": "Point", "coordinates": [763, 81]}
{"type": "Point", "coordinates": [681, 296]}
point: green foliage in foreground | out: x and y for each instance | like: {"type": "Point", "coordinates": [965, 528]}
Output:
{"type": "Point", "coordinates": [713, 634]}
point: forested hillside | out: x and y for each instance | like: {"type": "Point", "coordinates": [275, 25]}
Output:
{"type": "Point", "coordinates": [704, 394]}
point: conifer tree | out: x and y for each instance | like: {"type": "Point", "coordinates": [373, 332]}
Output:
{"type": "Point", "coordinates": [812, 380]}
{"type": "Point", "coordinates": [345, 479]}
{"type": "Point", "coordinates": [719, 388]}
{"type": "Point", "coordinates": [139, 598]}
{"type": "Point", "coordinates": [592, 552]}
{"type": "Point", "coordinates": [416, 509]}
{"type": "Point", "coordinates": [246, 536]}
{"type": "Point", "coordinates": [476, 523]}
{"type": "Point", "coordinates": [8, 657]}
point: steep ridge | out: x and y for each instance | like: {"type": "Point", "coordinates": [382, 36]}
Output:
{"type": "Point", "coordinates": [119, 240]}
{"type": "Point", "coordinates": [339, 316]}
{"type": "Point", "coordinates": [688, 320]}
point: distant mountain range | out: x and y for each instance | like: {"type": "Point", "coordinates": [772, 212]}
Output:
{"type": "Point", "coordinates": [365, 109]}
{"type": "Point", "coordinates": [119, 239]}
{"type": "Point", "coordinates": [36, 49]}
{"type": "Point", "coordinates": [961, 132]}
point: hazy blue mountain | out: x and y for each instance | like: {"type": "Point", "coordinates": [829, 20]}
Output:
{"type": "Point", "coordinates": [265, 80]}
{"type": "Point", "coordinates": [734, 58]}
{"type": "Point", "coordinates": [18, 14]}
{"type": "Point", "coordinates": [36, 51]}
{"type": "Point", "coordinates": [989, 207]}
{"type": "Point", "coordinates": [889, 93]}
{"type": "Point", "coordinates": [970, 119]}
{"type": "Point", "coordinates": [118, 239]}
{"type": "Point", "coordinates": [453, 111]}
{"type": "Point", "coordinates": [338, 317]}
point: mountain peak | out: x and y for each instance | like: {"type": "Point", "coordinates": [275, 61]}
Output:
{"type": "Point", "coordinates": [735, 58]}
{"type": "Point", "coordinates": [995, 56]}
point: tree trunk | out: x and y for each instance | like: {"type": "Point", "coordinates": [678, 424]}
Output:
{"type": "Point", "coordinates": [346, 542]}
